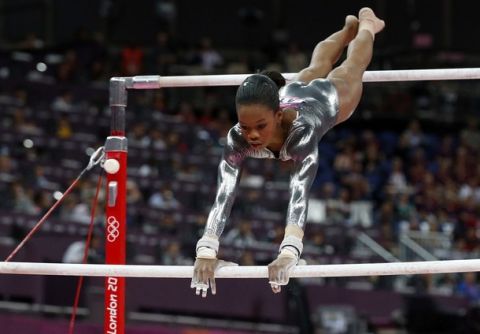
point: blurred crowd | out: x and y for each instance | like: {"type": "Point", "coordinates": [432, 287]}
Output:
{"type": "Point", "coordinates": [408, 160]}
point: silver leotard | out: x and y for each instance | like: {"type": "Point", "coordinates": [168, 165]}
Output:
{"type": "Point", "coordinates": [317, 107]}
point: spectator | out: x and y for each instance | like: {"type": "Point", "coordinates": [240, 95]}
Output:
{"type": "Point", "coordinates": [7, 169]}
{"type": "Point", "coordinates": [23, 123]}
{"type": "Point", "coordinates": [164, 200]}
{"type": "Point", "coordinates": [31, 42]}
{"type": "Point", "coordinates": [295, 60]}
{"type": "Point", "coordinates": [132, 60]}
{"type": "Point", "coordinates": [470, 136]}
{"type": "Point", "coordinates": [169, 226]}
{"type": "Point", "coordinates": [64, 103]}
{"type": "Point", "coordinates": [241, 236]}
{"type": "Point", "coordinates": [338, 209]}
{"type": "Point", "coordinates": [23, 199]}
{"type": "Point", "coordinates": [404, 209]}
{"type": "Point", "coordinates": [345, 158]}
{"type": "Point", "coordinates": [64, 128]}
{"type": "Point", "coordinates": [67, 70]}
{"type": "Point", "coordinates": [157, 140]}
{"type": "Point", "coordinates": [138, 137]}
{"type": "Point", "coordinates": [76, 250]}
{"type": "Point", "coordinates": [468, 287]}
{"type": "Point", "coordinates": [209, 57]}
{"type": "Point", "coordinates": [164, 53]}
{"type": "Point", "coordinates": [247, 258]}
{"type": "Point", "coordinates": [397, 180]}
{"type": "Point", "coordinates": [173, 256]}
{"type": "Point", "coordinates": [413, 136]}
{"type": "Point", "coordinates": [318, 243]}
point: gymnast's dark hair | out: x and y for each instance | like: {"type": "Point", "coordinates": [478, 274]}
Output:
{"type": "Point", "coordinates": [261, 88]}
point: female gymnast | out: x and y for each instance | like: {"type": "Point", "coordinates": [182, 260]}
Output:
{"type": "Point", "coordinates": [287, 124]}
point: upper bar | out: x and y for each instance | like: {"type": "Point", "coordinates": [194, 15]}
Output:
{"type": "Point", "coordinates": [336, 270]}
{"type": "Point", "coordinates": [422, 75]}
{"type": "Point", "coordinates": [157, 81]}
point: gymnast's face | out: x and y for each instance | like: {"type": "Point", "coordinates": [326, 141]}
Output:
{"type": "Point", "coordinates": [258, 124]}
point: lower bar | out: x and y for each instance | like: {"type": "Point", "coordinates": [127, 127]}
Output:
{"type": "Point", "coordinates": [333, 270]}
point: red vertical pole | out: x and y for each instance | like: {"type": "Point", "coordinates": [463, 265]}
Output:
{"type": "Point", "coordinates": [115, 250]}
{"type": "Point", "coordinates": [116, 209]}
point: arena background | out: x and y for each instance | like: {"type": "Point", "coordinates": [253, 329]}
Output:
{"type": "Point", "coordinates": [398, 181]}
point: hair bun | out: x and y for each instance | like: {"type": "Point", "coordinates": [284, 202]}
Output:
{"type": "Point", "coordinates": [276, 77]}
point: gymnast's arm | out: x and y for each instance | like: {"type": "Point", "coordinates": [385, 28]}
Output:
{"type": "Point", "coordinates": [229, 171]}
{"type": "Point", "coordinates": [206, 262]}
{"type": "Point", "coordinates": [303, 148]}
{"type": "Point", "coordinates": [228, 178]}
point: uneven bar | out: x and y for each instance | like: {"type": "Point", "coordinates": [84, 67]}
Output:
{"type": "Point", "coordinates": [157, 81]}
{"type": "Point", "coordinates": [336, 270]}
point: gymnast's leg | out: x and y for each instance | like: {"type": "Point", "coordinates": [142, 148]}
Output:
{"type": "Point", "coordinates": [328, 51]}
{"type": "Point", "coordinates": [347, 78]}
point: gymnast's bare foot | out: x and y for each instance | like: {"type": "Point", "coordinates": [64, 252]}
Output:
{"type": "Point", "coordinates": [370, 21]}
{"type": "Point", "coordinates": [351, 25]}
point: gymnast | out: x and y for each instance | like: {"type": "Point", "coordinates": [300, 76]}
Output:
{"type": "Point", "coordinates": [287, 122]}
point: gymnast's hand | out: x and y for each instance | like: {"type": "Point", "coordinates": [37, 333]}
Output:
{"type": "Point", "coordinates": [280, 269]}
{"type": "Point", "coordinates": [204, 274]}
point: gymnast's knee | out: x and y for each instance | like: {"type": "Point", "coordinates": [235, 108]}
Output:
{"type": "Point", "coordinates": [317, 71]}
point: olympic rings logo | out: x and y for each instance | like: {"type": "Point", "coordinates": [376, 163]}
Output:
{"type": "Point", "coordinates": [112, 229]}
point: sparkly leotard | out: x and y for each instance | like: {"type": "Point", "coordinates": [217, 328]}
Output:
{"type": "Point", "coordinates": [317, 107]}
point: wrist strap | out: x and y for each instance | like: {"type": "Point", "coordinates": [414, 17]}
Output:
{"type": "Point", "coordinates": [289, 251]}
{"type": "Point", "coordinates": [206, 253]}
{"type": "Point", "coordinates": [207, 245]}
{"type": "Point", "coordinates": [293, 243]}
